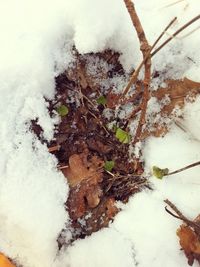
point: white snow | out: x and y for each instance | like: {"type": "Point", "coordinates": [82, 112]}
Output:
{"type": "Point", "coordinates": [98, 250]}
{"type": "Point", "coordinates": [32, 192]}
{"type": "Point", "coordinates": [35, 45]}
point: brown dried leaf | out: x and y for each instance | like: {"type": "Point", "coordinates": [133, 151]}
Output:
{"type": "Point", "coordinates": [158, 131]}
{"type": "Point", "coordinates": [93, 195]}
{"type": "Point", "coordinates": [177, 91]}
{"type": "Point", "coordinates": [101, 215]}
{"type": "Point", "coordinates": [84, 176]}
{"type": "Point", "coordinates": [83, 197]}
{"type": "Point", "coordinates": [80, 169]}
{"type": "Point", "coordinates": [76, 203]}
{"type": "Point", "coordinates": [177, 88]}
{"type": "Point", "coordinates": [189, 242]}
{"type": "Point", "coordinates": [112, 100]}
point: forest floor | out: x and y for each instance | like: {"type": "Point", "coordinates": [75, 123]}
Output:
{"type": "Point", "coordinates": [101, 148]}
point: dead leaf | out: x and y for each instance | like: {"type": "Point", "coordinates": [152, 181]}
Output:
{"type": "Point", "coordinates": [5, 262]}
{"type": "Point", "coordinates": [80, 169]}
{"type": "Point", "coordinates": [112, 100]}
{"type": "Point", "coordinates": [93, 196]}
{"type": "Point", "coordinates": [84, 147]}
{"type": "Point", "coordinates": [189, 242]}
{"type": "Point", "coordinates": [83, 197]}
{"type": "Point", "coordinates": [101, 216]}
{"type": "Point", "coordinates": [177, 91]}
{"type": "Point", "coordinates": [84, 177]}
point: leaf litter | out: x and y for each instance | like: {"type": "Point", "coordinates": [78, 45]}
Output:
{"type": "Point", "coordinates": [188, 234]}
{"type": "Point", "coordinates": [94, 158]}
{"type": "Point", "coordinates": [93, 142]}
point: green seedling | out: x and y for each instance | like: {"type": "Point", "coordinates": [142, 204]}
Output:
{"type": "Point", "coordinates": [62, 110]}
{"type": "Point", "coordinates": [109, 165]}
{"type": "Point", "coordinates": [160, 173]}
{"type": "Point", "coordinates": [102, 100]}
{"type": "Point", "coordinates": [122, 136]}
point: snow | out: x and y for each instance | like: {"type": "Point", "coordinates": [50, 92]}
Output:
{"type": "Point", "coordinates": [105, 253]}
{"type": "Point", "coordinates": [32, 192]}
{"type": "Point", "coordinates": [36, 40]}
{"type": "Point", "coordinates": [191, 120]}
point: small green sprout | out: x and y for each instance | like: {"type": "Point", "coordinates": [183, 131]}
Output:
{"type": "Point", "coordinates": [62, 110]}
{"type": "Point", "coordinates": [109, 165]}
{"type": "Point", "coordinates": [102, 100]}
{"type": "Point", "coordinates": [160, 173]}
{"type": "Point", "coordinates": [122, 136]}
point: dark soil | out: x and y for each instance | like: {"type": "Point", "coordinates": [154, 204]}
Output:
{"type": "Point", "coordinates": [83, 135]}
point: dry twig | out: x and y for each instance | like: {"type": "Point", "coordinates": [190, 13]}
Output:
{"type": "Point", "coordinates": [136, 72]}
{"type": "Point", "coordinates": [175, 34]}
{"type": "Point", "coordinates": [54, 148]}
{"type": "Point", "coordinates": [180, 216]}
{"type": "Point", "coordinates": [145, 49]}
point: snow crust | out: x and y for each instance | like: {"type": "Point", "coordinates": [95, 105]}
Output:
{"type": "Point", "coordinates": [35, 44]}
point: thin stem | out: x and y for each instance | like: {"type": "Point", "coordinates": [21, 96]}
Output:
{"type": "Point", "coordinates": [136, 72]}
{"type": "Point", "coordinates": [54, 148]}
{"type": "Point", "coordinates": [174, 208]}
{"type": "Point", "coordinates": [144, 46]}
{"type": "Point", "coordinates": [180, 215]}
{"type": "Point", "coordinates": [175, 34]}
{"type": "Point", "coordinates": [184, 168]}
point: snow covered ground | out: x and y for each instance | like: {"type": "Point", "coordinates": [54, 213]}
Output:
{"type": "Point", "coordinates": [35, 41]}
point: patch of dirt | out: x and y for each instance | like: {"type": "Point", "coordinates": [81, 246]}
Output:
{"type": "Point", "coordinates": [83, 144]}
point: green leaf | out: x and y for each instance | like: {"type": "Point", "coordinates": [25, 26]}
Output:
{"type": "Point", "coordinates": [62, 110]}
{"type": "Point", "coordinates": [159, 173]}
{"type": "Point", "coordinates": [122, 136]}
{"type": "Point", "coordinates": [102, 100]}
{"type": "Point", "coordinates": [109, 165]}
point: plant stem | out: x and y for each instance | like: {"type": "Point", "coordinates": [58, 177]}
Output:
{"type": "Point", "coordinates": [146, 52]}
{"type": "Point", "coordinates": [181, 216]}
{"type": "Point", "coordinates": [175, 34]}
{"type": "Point", "coordinates": [136, 72]}
{"type": "Point", "coordinates": [184, 168]}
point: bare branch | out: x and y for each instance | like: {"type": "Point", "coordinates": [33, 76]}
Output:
{"type": "Point", "coordinates": [145, 49]}
{"type": "Point", "coordinates": [175, 34]}
{"type": "Point", "coordinates": [136, 72]}
{"type": "Point", "coordinates": [180, 215]}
